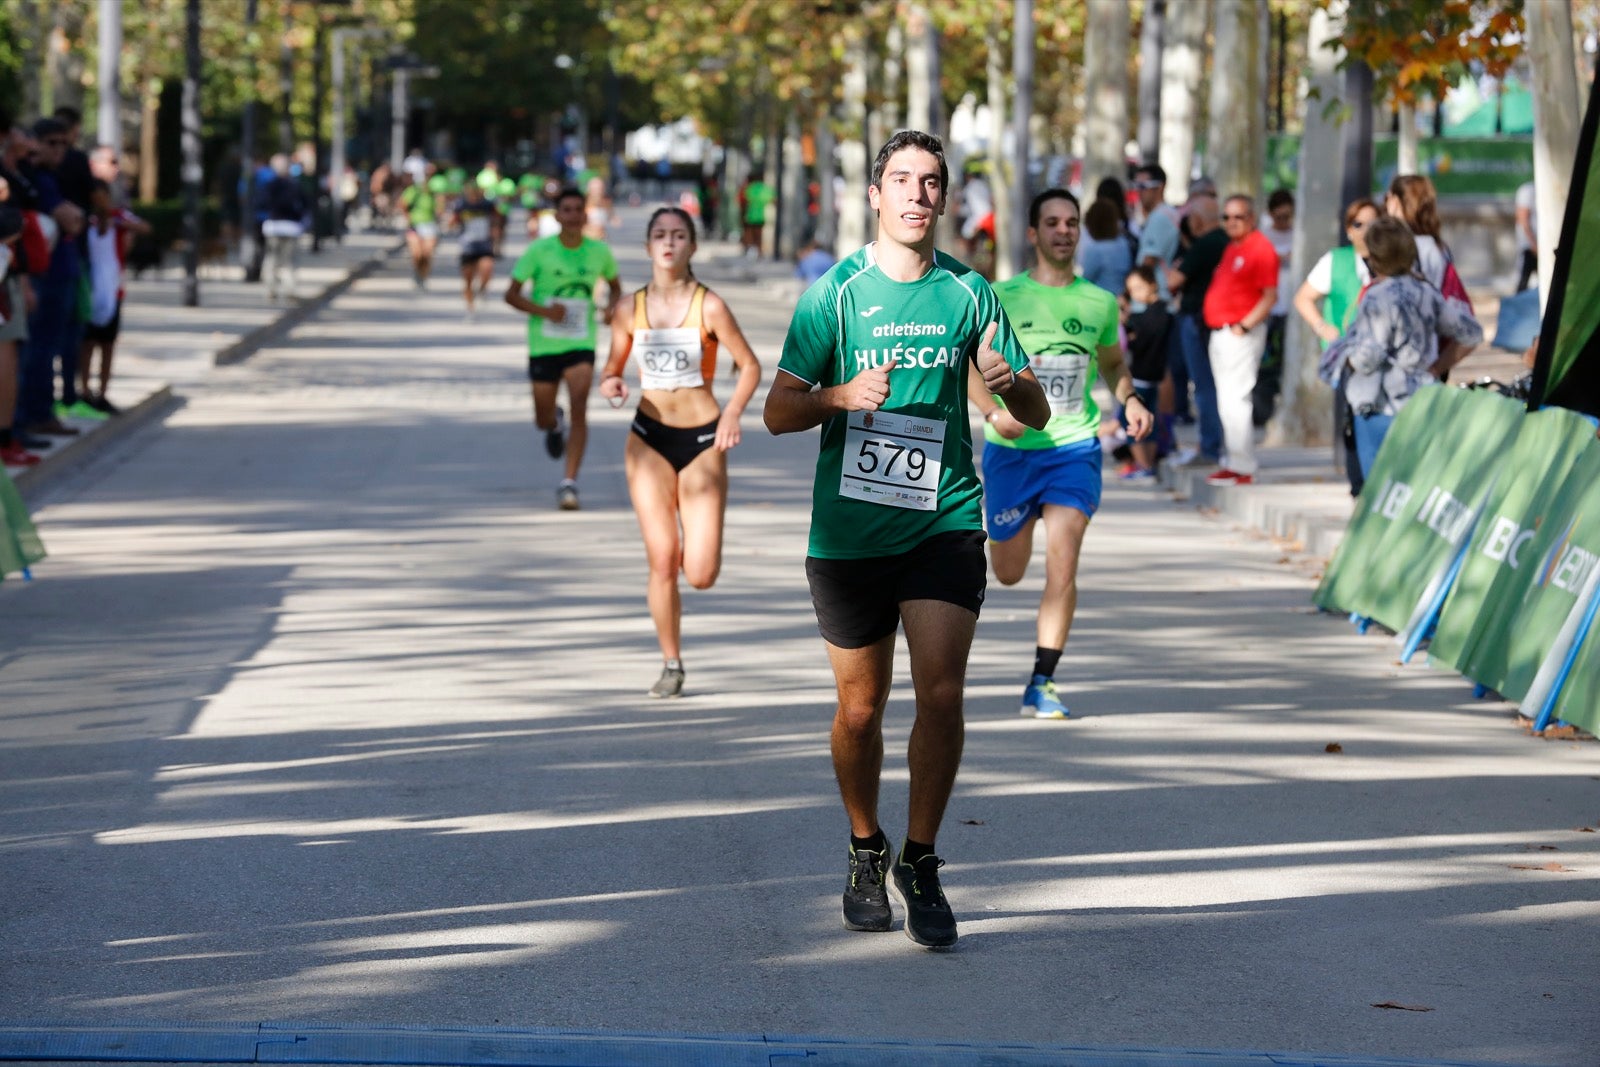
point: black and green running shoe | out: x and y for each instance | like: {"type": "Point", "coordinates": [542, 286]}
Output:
{"type": "Point", "coordinates": [866, 901]}
{"type": "Point", "coordinates": [929, 921]}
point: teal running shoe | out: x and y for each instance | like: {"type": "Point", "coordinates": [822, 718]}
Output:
{"type": "Point", "coordinates": [1039, 700]}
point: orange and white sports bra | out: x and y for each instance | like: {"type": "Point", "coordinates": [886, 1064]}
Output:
{"type": "Point", "coordinates": [684, 357]}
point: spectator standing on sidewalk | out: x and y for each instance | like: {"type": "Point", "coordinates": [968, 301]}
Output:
{"type": "Point", "coordinates": [1238, 302]}
{"type": "Point", "coordinates": [1104, 256]}
{"type": "Point", "coordinates": [13, 329]}
{"type": "Point", "coordinates": [1326, 300]}
{"type": "Point", "coordinates": [108, 235]}
{"type": "Point", "coordinates": [54, 330]}
{"type": "Point", "coordinates": [1278, 226]}
{"type": "Point", "coordinates": [1392, 347]}
{"type": "Point", "coordinates": [1412, 200]}
{"type": "Point", "coordinates": [1527, 235]}
{"type": "Point", "coordinates": [1189, 342]}
{"type": "Point", "coordinates": [286, 211]}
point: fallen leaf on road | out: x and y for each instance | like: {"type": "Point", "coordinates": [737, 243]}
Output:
{"type": "Point", "coordinates": [972, 822]}
{"type": "Point", "coordinates": [1585, 829]}
{"type": "Point", "coordinates": [1542, 867]}
{"type": "Point", "coordinates": [1334, 746]}
{"type": "Point", "coordinates": [1392, 1006]}
{"type": "Point", "coordinates": [1540, 848]}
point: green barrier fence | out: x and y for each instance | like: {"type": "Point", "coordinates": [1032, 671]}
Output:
{"type": "Point", "coordinates": [1503, 612]}
{"type": "Point", "coordinates": [1495, 514]}
{"type": "Point", "coordinates": [1420, 503]}
{"type": "Point", "coordinates": [20, 546]}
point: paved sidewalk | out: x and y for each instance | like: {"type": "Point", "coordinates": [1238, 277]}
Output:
{"type": "Point", "coordinates": [165, 346]}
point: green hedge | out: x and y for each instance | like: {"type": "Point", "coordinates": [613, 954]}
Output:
{"type": "Point", "coordinates": [166, 220]}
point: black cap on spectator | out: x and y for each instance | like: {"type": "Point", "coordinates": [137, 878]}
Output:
{"type": "Point", "coordinates": [10, 222]}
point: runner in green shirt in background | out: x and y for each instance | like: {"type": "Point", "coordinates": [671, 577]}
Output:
{"type": "Point", "coordinates": [1069, 328]}
{"type": "Point", "coordinates": [421, 206]}
{"type": "Point", "coordinates": [564, 270]}
{"type": "Point", "coordinates": [878, 356]}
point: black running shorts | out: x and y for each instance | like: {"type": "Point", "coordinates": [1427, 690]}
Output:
{"type": "Point", "coordinates": [858, 600]}
{"type": "Point", "coordinates": [552, 368]}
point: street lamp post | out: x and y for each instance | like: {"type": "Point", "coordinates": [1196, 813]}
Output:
{"type": "Point", "coordinates": [405, 68]}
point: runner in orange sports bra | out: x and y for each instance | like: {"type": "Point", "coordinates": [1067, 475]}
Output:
{"type": "Point", "coordinates": [676, 456]}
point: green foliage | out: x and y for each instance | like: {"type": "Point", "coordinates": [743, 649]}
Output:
{"type": "Point", "coordinates": [10, 61]}
{"type": "Point", "coordinates": [1421, 47]}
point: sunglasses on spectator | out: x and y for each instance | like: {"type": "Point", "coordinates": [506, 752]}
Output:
{"type": "Point", "coordinates": [1147, 183]}
{"type": "Point", "coordinates": [1236, 218]}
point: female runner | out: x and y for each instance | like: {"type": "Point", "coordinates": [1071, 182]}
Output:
{"type": "Point", "coordinates": [676, 454]}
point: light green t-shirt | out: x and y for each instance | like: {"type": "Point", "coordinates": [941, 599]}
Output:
{"type": "Point", "coordinates": [757, 196]}
{"type": "Point", "coordinates": [886, 481]}
{"type": "Point", "coordinates": [568, 275]}
{"type": "Point", "coordinates": [419, 204]}
{"type": "Point", "coordinates": [1061, 328]}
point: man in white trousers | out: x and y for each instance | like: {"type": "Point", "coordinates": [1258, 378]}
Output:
{"type": "Point", "coordinates": [1238, 303]}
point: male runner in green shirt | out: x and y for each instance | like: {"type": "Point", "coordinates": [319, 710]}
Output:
{"type": "Point", "coordinates": [564, 270]}
{"type": "Point", "coordinates": [1068, 326]}
{"type": "Point", "coordinates": [878, 355]}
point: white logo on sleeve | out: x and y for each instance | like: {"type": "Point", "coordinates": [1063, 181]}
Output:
{"type": "Point", "coordinates": [871, 311]}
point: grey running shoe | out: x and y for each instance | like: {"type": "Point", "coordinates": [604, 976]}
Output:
{"type": "Point", "coordinates": [555, 438]}
{"type": "Point", "coordinates": [866, 901]}
{"type": "Point", "coordinates": [567, 497]}
{"type": "Point", "coordinates": [929, 921]}
{"type": "Point", "coordinates": [670, 684]}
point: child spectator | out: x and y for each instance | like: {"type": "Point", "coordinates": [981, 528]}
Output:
{"type": "Point", "coordinates": [1147, 325]}
{"type": "Point", "coordinates": [108, 236]}
{"type": "Point", "coordinates": [812, 262]}
{"type": "Point", "coordinates": [1392, 347]}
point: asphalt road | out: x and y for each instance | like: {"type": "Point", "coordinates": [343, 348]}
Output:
{"type": "Point", "coordinates": [320, 710]}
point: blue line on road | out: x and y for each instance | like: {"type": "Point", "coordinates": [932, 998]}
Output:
{"type": "Point", "coordinates": [424, 1046]}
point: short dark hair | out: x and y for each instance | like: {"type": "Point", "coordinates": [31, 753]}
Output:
{"type": "Point", "coordinates": [1049, 194]}
{"type": "Point", "coordinates": [911, 139]}
{"type": "Point", "coordinates": [1279, 198]}
{"type": "Point", "coordinates": [69, 115]}
{"type": "Point", "coordinates": [48, 127]}
{"type": "Point", "coordinates": [1144, 271]}
{"type": "Point", "coordinates": [570, 191]}
{"type": "Point", "coordinates": [1153, 171]}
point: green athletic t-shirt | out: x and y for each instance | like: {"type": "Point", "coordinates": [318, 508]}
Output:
{"type": "Point", "coordinates": [757, 196]}
{"type": "Point", "coordinates": [568, 275]}
{"type": "Point", "coordinates": [1061, 327]}
{"type": "Point", "coordinates": [888, 480]}
{"type": "Point", "coordinates": [419, 205]}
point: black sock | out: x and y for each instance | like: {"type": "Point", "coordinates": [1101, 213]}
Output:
{"type": "Point", "coordinates": [913, 851]}
{"type": "Point", "coordinates": [1045, 660]}
{"type": "Point", "coordinates": [876, 843]}
{"type": "Point", "coordinates": [5, 438]}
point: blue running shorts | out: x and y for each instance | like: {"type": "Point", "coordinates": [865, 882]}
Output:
{"type": "Point", "coordinates": [1019, 482]}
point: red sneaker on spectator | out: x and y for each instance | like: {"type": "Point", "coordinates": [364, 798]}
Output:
{"type": "Point", "coordinates": [1227, 477]}
{"type": "Point", "coordinates": [17, 456]}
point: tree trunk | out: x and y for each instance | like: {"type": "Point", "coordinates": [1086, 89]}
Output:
{"type": "Point", "coordinates": [852, 150]}
{"type": "Point", "coordinates": [1305, 417]}
{"type": "Point", "coordinates": [1022, 46]}
{"type": "Point", "coordinates": [827, 206]}
{"type": "Point", "coordinates": [31, 37]}
{"type": "Point", "coordinates": [1105, 61]}
{"type": "Point", "coordinates": [149, 164]}
{"type": "Point", "coordinates": [192, 174]}
{"type": "Point", "coordinates": [286, 85]}
{"type": "Point", "coordinates": [1182, 63]}
{"type": "Point", "coordinates": [66, 59]}
{"type": "Point", "coordinates": [1556, 114]}
{"type": "Point", "coordinates": [1406, 139]}
{"type": "Point", "coordinates": [792, 199]}
{"type": "Point", "coordinates": [1235, 143]}
{"type": "Point", "coordinates": [1150, 36]}
{"type": "Point", "coordinates": [999, 179]}
{"type": "Point", "coordinates": [920, 38]}
{"type": "Point", "coordinates": [894, 58]}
